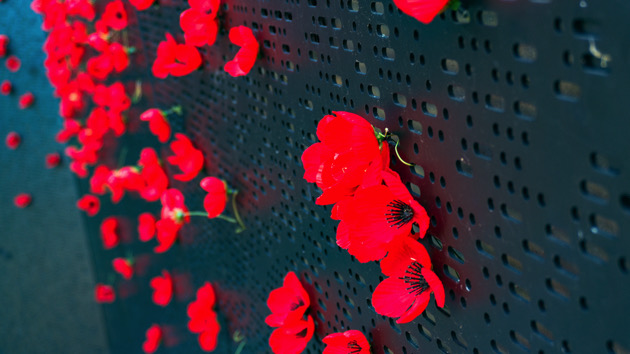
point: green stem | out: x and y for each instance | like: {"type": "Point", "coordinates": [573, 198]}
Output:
{"type": "Point", "coordinates": [175, 109]}
{"type": "Point", "coordinates": [196, 213]}
{"type": "Point", "coordinates": [137, 93]}
{"type": "Point", "coordinates": [400, 158]}
{"type": "Point", "coordinates": [240, 347]}
{"type": "Point", "coordinates": [237, 215]}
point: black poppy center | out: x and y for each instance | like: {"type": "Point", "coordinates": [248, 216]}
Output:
{"type": "Point", "coordinates": [398, 214]}
{"type": "Point", "coordinates": [414, 279]}
{"type": "Point", "coordinates": [354, 347]}
{"type": "Point", "coordinates": [296, 303]}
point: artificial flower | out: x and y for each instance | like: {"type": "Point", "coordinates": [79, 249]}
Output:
{"type": "Point", "coordinates": [175, 59]}
{"type": "Point", "coordinates": [81, 8]}
{"type": "Point", "coordinates": [292, 338]}
{"type": "Point", "coordinates": [378, 215]}
{"type": "Point", "coordinates": [153, 336]}
{"type": "Point", "coordinates": [123, 266]}
{"type": "Point", "coordinates": [13, 63]}
{"type": "Point", "coordinates": [26, 100]}
{"type": "Point", "coordinates": [115, 16]}
{"type": "Point", "coordinates": [53, 160]}
{"type": "Point", "coordinates": [109, 232]}
{"type": "Point", "coordinates": [287, 303]}
{"type": "Point", "coordinates": [70, 128]}
{"type": "Point", "coordinates": [348, 156]}
{"type": "Point", "coordinates": [155, 179]}
{"type": "Point", "coordinates": [98, 181]}
{"type": "Point", "coordinates": [244, 60]}
{"type": "Point", "coordinates": [162, 288]}
{"type": "Point", "coordinates": [205, 6]}
{"type": "Point", "coordinates": [422, 10]}
{"type": "Point", "coordinates": [203, 319]}
{"type": "Point", "coordinates": [13, 140]}
{"type": "Point", "coordinates": [199, 28]}
{"type": "Point", "coordinates": [141, 5]}
{"type": "Point", "coordinates": [90, 204]}
{"type": "Point", "coordinates": [146, 226]}
{"type": "Point", "coordinates": [351, 341]}
{"type": "Point", "coordinates": [215, 200]}
{"type": "Point", "coordinates": [6, 87]}
{"type": "Point", "coordinates": [407, 291]}
{"type": "Point", "coordinates": [112, 97]}
{"type": "Point", "coordinates": [187, 158]}
{"type": "Point", "coordinates": [4, 42]}
{"type": "Point", "coordinates": [174, 215]}
{"type": "Point", "coordinates": [104, 293]}
{"type": "Point", "coordinates": [22, 200]}
{"type": "Point", "coordinates": [126, 178]}
{"type": "Point", "coordinates": [158, 124]}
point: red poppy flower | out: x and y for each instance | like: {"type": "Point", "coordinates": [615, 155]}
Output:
{"type": "Point", "coordinates": [104, 293]}
{"type": "Point", "coordinates": [215, 200]}
{"type": "Point", "coordinates": [123, 267]}
{"type": "Point", "coordinates": [4, 42]}
{"type": "Point", "coordinates": [90, 204]}
{"type": "Point", "coordinates": [70, 128]}
{"type": "Point", "coordinates": [26, 100]}
{"type": "Point", "coordinates": [155, 179]}
{"type": "Point", "coordinates": [109, 232]}
{"type": "Point", "coordinates": [162, 288]}
{"type": "Point", "coordinates": [22, 200]}
{"type": "Point", "coordinates": [158, 124]}
{"type": "Point", "coordinates": [154, 336]}
{"type": "Point", "coordinates": [53, 160]}
{"type": "Point", "coordinates": [13, 63]}
{"type": "Point", "coordinates": [127, 178]}
{"type": "Point", "coordinates": [175, 59]}
{"type": "Point", "coordinates": [82, 8]}
{"type": "Point", "coordinates": [292, 338]}
{"type": "Point", "coordinates": [115, 15]}
{"type": "Point", "coordinates": [211, 6]}
{"type": "Point", "coordinates": [422, 10]}
{"type": "Point", "coordinates": [174, 215]}
{"type": "Point", "coordinates": [378, 215]}
{"type": "Point", "coordinates": [199, 28]}
{"type": "Point", "coordinates": [351, 341]}
{"type": "Point", "coordinates": [288, 303]}
{"type": "Point", "coordinates": [146, 226]}
{"type": "Point", "coordinates": [407, 291]}
{"type": "Point", "coordinates": [113, 97]}
{"type": "Point", "coordinates": [6, 87]}
{"type": "Point", "coordinates": [187, 158]}
{"type": "Point", "coordinates": [13, 140]}
{"type": "Point", "coordinates": [348, 156]}
{"type": "Point", "coordinates": [141, 5]}
{"type": "Point", "coordinates": [244, 60]}
{"type": "Point", "coordinates": [98, 181]}
{"type": "Point", "coordinates": [203, 319]}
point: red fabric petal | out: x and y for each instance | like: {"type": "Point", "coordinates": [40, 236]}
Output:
{"type": "Point", "coordinates": [416, 309]}
{"type": "Point", "coordinates": [216, 199]}
{"type": "Point", "coordinates": [391, 298]}
{"type": "Point", "coordinates": [104, 293]}
{"type": "Point", "coordinates": [436, 286]}
{"type": "Point", "coordinates": [292, 339]}
{"type": "Point", "coordinates": [343, 343]}
{"type": "Point", "coordinates": [123, 267]}
{"type": "Point", "coordinates": [403, 252]}
{"type": "Point", "coordinates": [247, 55]}
{"type": "Point", "coordinates": [287, 303]}
{"type": "Point", "coordinates": [146, 226]}
{"type": "Point", "coordinates": [162, 288]}
{"type": "Point", "coordinates": [208, 338]}
{"type": "Point", "coordinates": [166, 234]}
{"type": "Point", "coordinates": [422, 10]}
{"type": "Point", "coordinates": [153, 337]}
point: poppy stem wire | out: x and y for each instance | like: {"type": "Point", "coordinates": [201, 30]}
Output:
{"type": "Point", "coordinates": [400, 158]}
{"type": "Point", "coordinates": [238, 337]}
{"type": "Point", "coordinates": [196, 213]}
{"type": "Point", "coordinates": [241, 227]}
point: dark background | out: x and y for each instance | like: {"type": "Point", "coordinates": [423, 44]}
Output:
{"type": "Point", "coordinates": [517, 128]}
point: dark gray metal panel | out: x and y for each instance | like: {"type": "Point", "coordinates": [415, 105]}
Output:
{"type": "Point", "coordinates": [518, 130]}
{"type": "Point", "coordinates": [46, 282]}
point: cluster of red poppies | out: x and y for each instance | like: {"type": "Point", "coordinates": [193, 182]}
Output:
{"type": "Point", "coordinates": [289, 305]}
{"type": "Point", "coordinates": [200, 26]}
{"type": "Point", "coordinates": [85, 50]}
{"type": "Point", "coordinates": [375, 210]}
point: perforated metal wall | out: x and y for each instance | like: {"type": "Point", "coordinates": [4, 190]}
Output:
{"type": "Point", "coordinates": [515, 115]}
